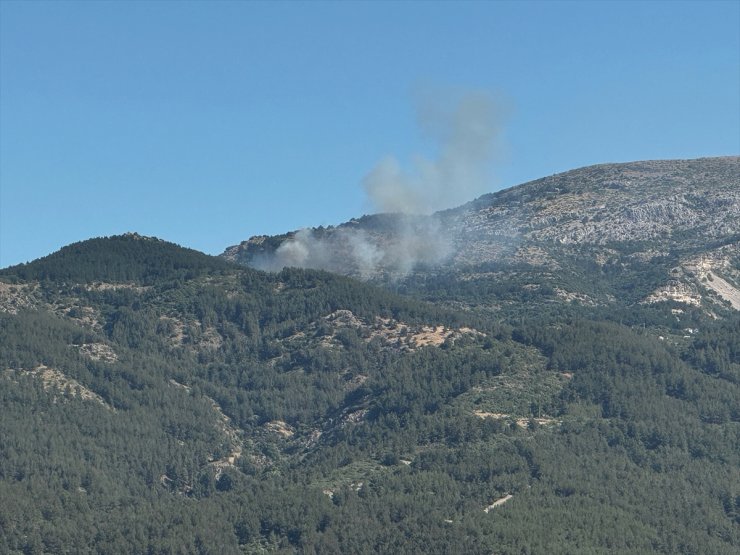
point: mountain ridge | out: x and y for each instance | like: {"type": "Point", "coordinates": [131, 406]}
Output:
{"type": "Point", "coordinates": [718, 171]}
{"type": "Point", "coordinates": [126, 257]}
{"type": "Point", "coordinates": [628, 216]}
{"type": "Point", "coordinates": [157, 399]}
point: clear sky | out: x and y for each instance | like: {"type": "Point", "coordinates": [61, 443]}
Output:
{"type": "Point", "coordinates": [205, 123]}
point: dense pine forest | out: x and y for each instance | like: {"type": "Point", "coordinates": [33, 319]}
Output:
{"type": "Point", "coordinates": [158, 400]}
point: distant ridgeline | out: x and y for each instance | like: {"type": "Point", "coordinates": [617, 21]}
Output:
{"type": "Point", "coordinates": [602, 235]}
{"type": "Point", "coordinates": [538, 390]}
{"type": "Point", "coordinates": [130, 257]}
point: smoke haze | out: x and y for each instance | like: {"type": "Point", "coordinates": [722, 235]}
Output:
{"type": "Point", "coordinates": [466, 129]}
{"type": "Point", "coordinates": [467, 132]}
{"type": "Point", "coordinates": [394, 252]}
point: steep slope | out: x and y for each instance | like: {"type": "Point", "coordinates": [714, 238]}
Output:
{"type": "Point", "coordinates": [612, 234]}
{"type": "Point", "coordinates": [159, 400]}
{"type": "Point", "coordinates": [136, 373]}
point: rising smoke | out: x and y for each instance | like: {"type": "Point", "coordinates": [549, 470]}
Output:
{"type": "Point", "coordinates": [466, 128]}
{"type": "Point", "coordinates": [402, 244]}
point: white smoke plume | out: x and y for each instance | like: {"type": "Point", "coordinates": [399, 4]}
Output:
{"type": "Point", "coordinates": [335, 250]}
{"type": "Point", "coordinates": [467, 131]}
{"type": "Point", "coordinates": [394, 251]}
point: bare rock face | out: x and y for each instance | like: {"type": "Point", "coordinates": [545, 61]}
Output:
{"type": "Point", "coordinates": [633, 214]}
{"type": "Point", "coordinates": [663, 202]}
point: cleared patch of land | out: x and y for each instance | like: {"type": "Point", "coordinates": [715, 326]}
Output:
{"type": "Point", "coordinates": [498, 502]}
{"type": "Point", "coordinates": [52, 378]}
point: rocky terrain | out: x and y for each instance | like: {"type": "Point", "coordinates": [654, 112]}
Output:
{"type": "Point", "coordinates": [553, 368]}
{"type": "Point", "coordinates": [674, 219]}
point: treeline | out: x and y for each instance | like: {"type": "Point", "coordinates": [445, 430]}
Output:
{"type": "Point", "coordinates": [121, 258]}
{"type": "Point", "coordinates": [235, 417]}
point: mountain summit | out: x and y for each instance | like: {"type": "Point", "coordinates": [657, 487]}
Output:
{"type": "Point", "coordinates": [559, 374]}
{"type": "Point", "coordinates": [672, 222]}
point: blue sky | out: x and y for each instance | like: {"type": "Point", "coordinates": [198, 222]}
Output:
{"type": "Point", "coordinates": [204, 123]}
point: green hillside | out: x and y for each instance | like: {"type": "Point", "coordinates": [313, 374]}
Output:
{"type": "Point", "coordinates": [158, 400]}
{"type": "Point", "coordinates": [130, 257]}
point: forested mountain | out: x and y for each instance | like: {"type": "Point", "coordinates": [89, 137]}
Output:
{"type": "Point", "coordinates": [562, 394]}
{"type": "Point", "coordinates": [609, 235]}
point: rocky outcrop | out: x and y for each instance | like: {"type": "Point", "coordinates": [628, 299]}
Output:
{"type": "Point", "coordinates": [664, 202]}
{"type": "Point", "coordinates": [625, 214]}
